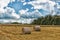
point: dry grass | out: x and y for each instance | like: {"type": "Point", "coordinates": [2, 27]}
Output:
{"type": "Point", "coordinates": [13, 32]}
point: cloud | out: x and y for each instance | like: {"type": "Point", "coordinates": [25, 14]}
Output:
{"type": "Point", "coordinates": [22, 0]}
{"type": "Point", "coordinates": [46, 5]}
{"type": "Point", "coordinates": [16, 16]}
{"type": "Point", "coordinates": [9, 14]}
{"type": "Point", "coordinates": [42, 0]}
{"type": "Point", "coordinates": [12, 0]}
{"type": "Point", "coordinates": [37, 3]}
{"type": "Point", "coordinates": [24, 3]}
{"type": "Point", "coordinates": [26, 14]}
{"type": "Point", "coordinates": [4, 3]}
{"type": "Point", "coordinates": [55, 0]}
{"type": "Point", "coordinates": [23, 11]}
{"type": "Point", "coordinates": [22, 20]}
{"type": "Point", "coordinates": [30, 10]}
{"type": "Point", "coordinates": [2, 10]}
{"type": "Point", "coordinates": [51, 4]}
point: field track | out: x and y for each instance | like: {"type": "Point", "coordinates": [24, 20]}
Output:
{"type": "Point", "coordinates": [14, 32]}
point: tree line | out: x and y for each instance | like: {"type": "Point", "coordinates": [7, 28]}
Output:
{"type": "Point", "coordinates": [47, 20]}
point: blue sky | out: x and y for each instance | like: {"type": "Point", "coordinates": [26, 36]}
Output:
{"type": "Point", "coordinates": [22, 10]}
{"type": "Point", "coordinates": [18, 5]}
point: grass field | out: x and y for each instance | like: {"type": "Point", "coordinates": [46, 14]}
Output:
{"type": "Point", "coordinates": [13, 32]}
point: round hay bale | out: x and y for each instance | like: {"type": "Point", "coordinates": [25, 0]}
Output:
{"type": "Point", "coordinates": [37, 28]}
{"type": "Point", "coordinates": [26, 30]}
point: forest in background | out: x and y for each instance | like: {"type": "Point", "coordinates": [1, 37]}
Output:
{"type": "Point", "coordinates": [47, 20]}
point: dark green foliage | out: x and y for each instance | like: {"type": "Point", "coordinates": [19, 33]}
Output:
{"type": "Point", "coordinates": [47, 20]}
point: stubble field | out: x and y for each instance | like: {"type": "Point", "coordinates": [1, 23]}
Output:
{"type": "Point", "coordinates": [14, 32]}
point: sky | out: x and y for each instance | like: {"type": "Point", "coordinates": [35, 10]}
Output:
{"type": "Point", "coordinates": [25, 11]}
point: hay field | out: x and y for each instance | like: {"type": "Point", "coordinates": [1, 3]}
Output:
{"type": "Point", "coordinates": [13, 32]}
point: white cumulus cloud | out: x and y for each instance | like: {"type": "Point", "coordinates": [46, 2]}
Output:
{"type": "Point", "coordinates": [23, 11]}
{"type": "Point", "coordinates": [4, 3]}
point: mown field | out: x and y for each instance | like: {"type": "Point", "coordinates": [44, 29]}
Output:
{"type": "Point", "coordinates": [14, 32]}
